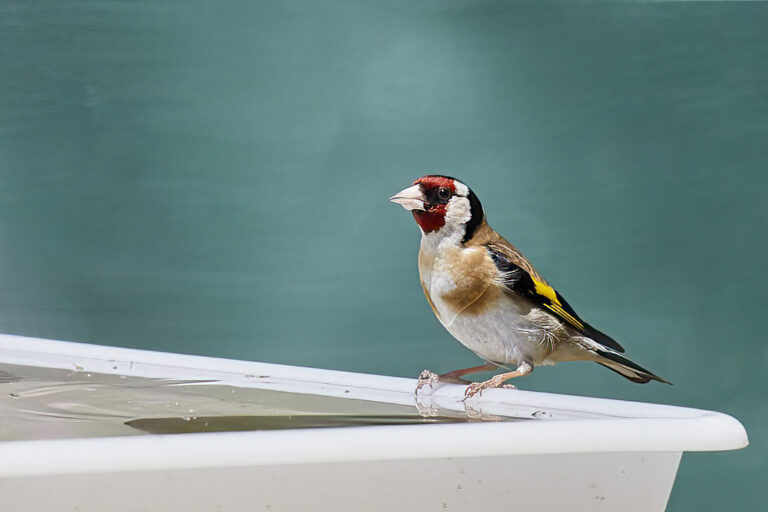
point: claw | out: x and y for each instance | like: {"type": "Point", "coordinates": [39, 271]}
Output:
{"type": "Point", "coordinates": [427, 378]}
{"type": "Point", "coordinates": [476, 388]}
{"type": "Point", "coordinates": [497, 381]}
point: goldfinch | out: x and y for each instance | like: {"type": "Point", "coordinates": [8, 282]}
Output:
{"type": "Point", "coordinates": [491, 299]}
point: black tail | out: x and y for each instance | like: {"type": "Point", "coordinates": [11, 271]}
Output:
{"type": "Point", "coordinates": [627, 368]}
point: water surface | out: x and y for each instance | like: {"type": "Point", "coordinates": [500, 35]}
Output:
{"type": "Point", "coordinates": [44, 403]}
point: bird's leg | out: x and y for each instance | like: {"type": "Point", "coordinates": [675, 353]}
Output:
{"type": "Point", "coordinates": [430, 379]}
{"type": "Point", "coordinates": [476, 388]}
{"type": "Point", "coordinates": [455, 375]}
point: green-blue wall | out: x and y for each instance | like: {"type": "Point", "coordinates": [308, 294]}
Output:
{"type": "Point", "coordinates": [212, 178]}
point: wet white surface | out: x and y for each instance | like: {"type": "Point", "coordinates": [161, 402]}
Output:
{"type": "Point", "coordinates": [52, 403]}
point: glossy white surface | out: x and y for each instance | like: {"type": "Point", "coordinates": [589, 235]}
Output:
{"type": "Point", "coordinates": [627, 450]}
{"type": "Point", "coordinates": [625, 482]}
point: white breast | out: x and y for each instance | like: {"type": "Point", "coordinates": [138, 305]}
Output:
{"type": "Point", "coordinates": [434, 274]}
{"type": "Point", "coordinates": [509, 333]}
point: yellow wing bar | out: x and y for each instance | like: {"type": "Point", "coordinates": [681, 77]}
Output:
{"type": "Point", "coordinates": [554, 304]}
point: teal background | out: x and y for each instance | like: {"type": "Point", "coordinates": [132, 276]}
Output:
{"type": "Point", "coordinates": [212, 178]}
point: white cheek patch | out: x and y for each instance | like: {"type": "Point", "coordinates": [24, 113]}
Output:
{"type": "Point", "coordinates": [458, 211]}
{"type": "Point", "coordinates": [461, 189]}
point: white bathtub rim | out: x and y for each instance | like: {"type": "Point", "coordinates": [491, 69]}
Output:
{"type": "Point", "coordinates": [621, 426]}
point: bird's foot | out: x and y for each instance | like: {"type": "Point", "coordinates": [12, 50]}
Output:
{"type": "Point", "coordinates": [427, 378]}
{"type": "Point", "coordinates": [426, 408]}
{"type": "Point", "coordinates": [497, 381]}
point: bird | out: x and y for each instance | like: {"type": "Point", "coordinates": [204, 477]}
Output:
{"type": "Point", "coordinates": [490, 298]}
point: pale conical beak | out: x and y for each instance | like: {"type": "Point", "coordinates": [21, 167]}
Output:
{"type": "Point", "coordinates": [412, 198]}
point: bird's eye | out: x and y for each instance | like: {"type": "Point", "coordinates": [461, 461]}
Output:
{"type": "Point", "coordinates": [443, 193]}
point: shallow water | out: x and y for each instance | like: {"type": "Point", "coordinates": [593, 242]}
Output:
{"type": "Point", "coordinates": [44, 403]}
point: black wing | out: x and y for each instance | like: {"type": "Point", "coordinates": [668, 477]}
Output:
{"type": "Point", "coordinates": [540, 293]}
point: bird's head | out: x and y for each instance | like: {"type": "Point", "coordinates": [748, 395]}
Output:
{"type": "Point", "coordinates": [442, 205]}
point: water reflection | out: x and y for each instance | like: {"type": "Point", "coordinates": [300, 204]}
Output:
{"type": "Point", "coordinates": [7, 377]}
{"type": "Point", "coordinates": [44, 403]}
{"type": "Point", "coordinates": [296, 421]}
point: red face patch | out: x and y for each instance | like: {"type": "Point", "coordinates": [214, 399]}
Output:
{"type": "Point", "coordinates": [430, 220]}
{"type": "Point", "coordinates": [434, 217]}
{"type": "Point", "coordinates": [435, 182]}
